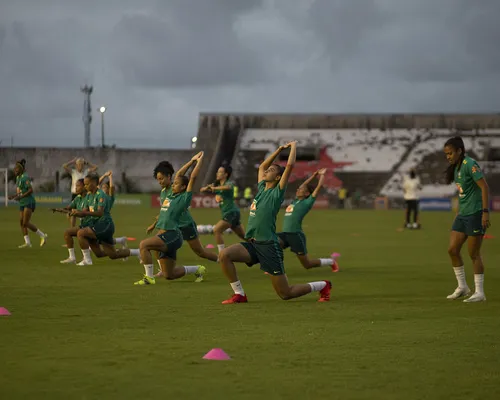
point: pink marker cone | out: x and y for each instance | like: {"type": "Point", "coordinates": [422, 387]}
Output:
{"type": "Point", "coordinates": [216, 354]}
{"type": "Point", "coordinates": [210, 246]}
{"type": "Point", "coordinates": [4, 311]}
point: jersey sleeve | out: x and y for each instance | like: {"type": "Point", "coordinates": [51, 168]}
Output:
{"type": "Point", "coordinates": [261, 186]}
{"type": "Point", "coordinates": [27, 183]}
{"type": "Point", "coordinates": [186, 199]}
{"type": "Point", "coordinates": [310, 201]}
{"type": "Point", "coordinates": [475, 171]}
{"type": "Point", "coordinates": [73, 205]}
{"type": "Point", "coordinates": [102, 201]}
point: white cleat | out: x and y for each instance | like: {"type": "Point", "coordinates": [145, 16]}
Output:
{"type": "Point", "coordinates": [43, 240]}
{"type": "Point", "coordinates": [69, 261]}
{"type": "Point", "coordinates": [459, 292]}
{"type": "Point", "coordinates": [24, 246]}
{"type": "Point", "coordinates": [476, 297]}
{"type": "Point", "coordinates": [84, 262]}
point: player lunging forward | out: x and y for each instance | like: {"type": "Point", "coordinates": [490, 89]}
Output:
{"type": "Point", "coordinates": [262, 246]}
{"type": "Point", "coordinates": [99, 235]}
{"type": "Point", "coordinates": [169, 237]}
{"type": "Point", "coordinates": [472, 218]}
{"type": "Point", "coordinates": [163, 174]}
{"type": "Point", "coordinates": [27, 204]}
{"type": "Point", "coordinates": [223, 189]}
{"type": "Point", "coordinates": [293, 236]}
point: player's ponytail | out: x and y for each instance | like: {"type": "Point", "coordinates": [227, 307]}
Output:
{"type": "Point", "coordinates": [22, 164]}
{"type": "Point", "coordinates": [456, 143]}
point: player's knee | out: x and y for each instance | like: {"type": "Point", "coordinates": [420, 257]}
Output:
{"type": "Point", "coordinates": [453, 251]}
{"type": "Point", "coordinates": [285, 295]}
{"type": "Point", "coordinates": [224, 256]}
{"type": "Point", "coordinates": [474, 256]}
{"type": "Point", "coordinates": [143, 245]}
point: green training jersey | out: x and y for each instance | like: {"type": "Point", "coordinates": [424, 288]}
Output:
{"type": "Point", "coordinates": [185, 219]}
{"type": "Point", "coordinates": [23, 184]}
{"type": "Point", "coordinates": [225, 199]}
{"type": "Point", "coordinates": [263, 212]}
{"type": "Point", "coordinates": [80, 203]}
{"type": "Point", "coordinates": [96, 200]}
{"type": "Point", "coordinates": [295, 213]}
{"type": "Point", "coordinates": [470, 199]}
{"type": "Point", "coordinates": [172, 209]}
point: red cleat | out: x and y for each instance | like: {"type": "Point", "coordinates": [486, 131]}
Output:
{"type": "Point", "coordinates": [237, 298]}
{"type": "Point", "coordinates": [324, 294]}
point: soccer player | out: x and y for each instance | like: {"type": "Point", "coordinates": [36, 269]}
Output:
{"type": "Point", "coordinates": [98, 236]}
{"type": "Point", "coordinates": [293, 236]}
{"type": "Point", "coordinates": [472, 218]}
{"type": "Point", "coordinates": [411, 185]}
{"type": "Point", "coordinates": [163, 173]}
{"type": "Point", "coordinates": [108, 188]}
{"type": "Point", "coordinates": [27, 204]}
{"type": "Point", "coordinates": [81, 169]}
{"type": "Point", "coordinates": [79, 203]}
{"type": "Point", "coordinates": [169, 238]}
{"type": "Point", "coordinates": [223, 189]}
{"type": "Point", "coordinates": [262, 245]}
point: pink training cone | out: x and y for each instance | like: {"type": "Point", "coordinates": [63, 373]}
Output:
{"type": "Point", "coordinates": [216, 354]}
{"type": "Point", "coordinates": [4, 311]}
{"type": "Point", "coordinates": [210, 246]}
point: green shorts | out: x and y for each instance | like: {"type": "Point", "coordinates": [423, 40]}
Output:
{"type": "Point", "coordinates": [173, 241]}
{"type": "Point", "coordinates": [268, 254]}
{"type": "Point", "coordinates": [471, 225]}
{"type": "Point", "coordinates": [104, 231]}
{"type": "Point", "coordinates": [189, 232]}
{"type": "Point", "coordinates": [31, 205]}
{"type": "Point", "coordinates": [295, 240]}
{"type": "Point", "coordinates": [233, 218]}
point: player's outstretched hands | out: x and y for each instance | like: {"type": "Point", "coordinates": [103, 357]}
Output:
{"type": "Point", "coordinates": [321, 171]}
{"type": "Point", "coordinates": [289, 144]}
{"type": "Point", "coordinates": [197, 156]}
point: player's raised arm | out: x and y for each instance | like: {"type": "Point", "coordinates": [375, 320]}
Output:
{"type": "Point", "coordinates": [91, 167]}
{"type": "Point", "coordinates": [289, 164]}
{"type": "Point", "coordinates": [268, 162]}
{"type": "Point", "coordinates": [198, 158]}
{"type": "Point", "coordinates": [67, 166]}
{"type": "Point", "coordinates": [321, 174]}
{"type": "Point", "coordinates": [111, 185]}
{"type": "Point", "coordinates": [185, 168]}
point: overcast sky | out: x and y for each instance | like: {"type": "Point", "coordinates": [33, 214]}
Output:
{"type": "Point", "coordinates": [157, 64]}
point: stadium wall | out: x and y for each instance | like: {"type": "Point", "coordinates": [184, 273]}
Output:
{"type": "Point", "coordinates": [132, 169]}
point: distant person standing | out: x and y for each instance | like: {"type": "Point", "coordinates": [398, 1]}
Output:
{"type": "Point", "coordinates": [342, 195]}
{"type": "Point", "coordinates": [411, 186]}
{"type": "Point", "coordinates": [78, 168]}
{"type": "Point", "coordinates": [248, 196]}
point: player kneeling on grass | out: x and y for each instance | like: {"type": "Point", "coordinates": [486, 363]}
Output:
{"type": "Point", "coordinates": [223, 189]}
{"type": "Point", "coordinates": [472, 218]}
{"type": "Point", "coordinates": [169, 237]}
{"type": "Point", "coordinates": [262, 246]}
{"type": "Point", "coordinates": [108, 188]}
{"type": "Point", "coordinates": [293, 236]}
{"type": "Point", "coordinates": [27, 204]}
{"type": "Point", "coordinates": [163, 174]}
{"type": "Point", "coordinates": [98, 236]}
{"type": "Point", "coordinates": [78, 203]}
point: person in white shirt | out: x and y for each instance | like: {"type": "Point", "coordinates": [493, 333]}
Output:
{"type": "Point", "coordinates": [78, 168]}
{"type": "Point", "coordinates": [411, 186]}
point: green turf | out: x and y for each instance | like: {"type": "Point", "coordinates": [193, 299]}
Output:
{"type": "Point", "coordinates": [388, 333]}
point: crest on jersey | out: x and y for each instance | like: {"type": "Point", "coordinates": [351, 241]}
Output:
{"type": "Point", "coordinates": [166, 203]}
{"type": "Point", "coordinates": [475, 169]}
{"type": "Point", "coordinates": [218, 198]}
{"type": "Point", "coordinates": [253, 207]}
{"type": "Point", "coordinates": [465, 162]}
{"type": "Point", "coordinates": [289, 209]}
{"type": "Point", "coordinates": [101, 200]}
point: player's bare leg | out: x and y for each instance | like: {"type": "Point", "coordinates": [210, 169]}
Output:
{"type": "Point", "coordinates": [227, 258]}
{"type": "Point", "coordinates": [457, 239]}
{"type": "Point", "coordinates": [85, 236]}
{"type": "Point", "coordinates": [309, 263]}
{"type": "Point", "coordinates": [110, 251]}
{"type": "Point", "coordinates": [474, 247]}
{"type": "Point", "coordinates": [26, 224]}
{"type": "Point", "coordinates": [288, 292]}
{"type": "Point", "coordinates": [69, 234]}
{"type": "Point", "coordinates": [240, 231]}
{"type": "Point", "coordinates": [219, 230]}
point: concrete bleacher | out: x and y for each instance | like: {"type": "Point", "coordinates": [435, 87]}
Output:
{"type": "Point", "coordinates": [428, 159]}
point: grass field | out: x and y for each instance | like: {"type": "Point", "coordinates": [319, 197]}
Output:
{"type": "Point", "coordinates": [388, 333]}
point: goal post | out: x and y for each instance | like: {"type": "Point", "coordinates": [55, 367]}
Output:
{"type": "Point", "coordinates": [4, 175]}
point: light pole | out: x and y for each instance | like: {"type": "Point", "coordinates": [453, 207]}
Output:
{"type": "Point", "coordinates": [102, 110]}
{"type": "Point", "coordinates": [194, 139]}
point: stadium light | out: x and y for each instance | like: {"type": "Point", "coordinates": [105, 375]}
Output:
{"type": "Point", "coordinates": [102, 110]}
{"type": "Point", "coordinates": [194, 139]}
